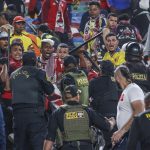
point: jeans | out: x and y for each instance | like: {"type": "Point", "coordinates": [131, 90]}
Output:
{"type": "Point", "coordinates": [2, 131]}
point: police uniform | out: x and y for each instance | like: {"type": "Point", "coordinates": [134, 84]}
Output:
{"type": "Point", "coordinates": [74, 121]}
{"type": "Point", "coordinates": [140, 132]}
{"type": "Point", "coordinates": [140, 74]}
{"type": "Point", "coordinates": [29, 85]}
{"type": "Point", "coordinates": [78, 78]}
{"type": "Point", "coordinates": [75, 77]}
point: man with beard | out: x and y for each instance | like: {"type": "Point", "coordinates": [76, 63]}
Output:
{"type": "Point", "coordinates": [114, 54]}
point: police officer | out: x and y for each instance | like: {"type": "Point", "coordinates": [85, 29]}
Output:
{"type": "Point", "coordinates": [29, 85]}
{"type": "Point", "coordinates": [74, 121]}
{"type": "Point", "coordinates": [103, 93]}
{"type": "Point", "coordinates": [140, 131]}
{"type": "Point", "coordinates": [75, 76]}
{"type": "Point", "coordinates": [139, 72]}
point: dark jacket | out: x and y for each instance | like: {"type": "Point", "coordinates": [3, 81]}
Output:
{"type": "Point", "coordinates": [140, 132]}
{"type": "Point", "coordinates": [29, 85]}
{"type": "Point", "coordinates": [103, 93]}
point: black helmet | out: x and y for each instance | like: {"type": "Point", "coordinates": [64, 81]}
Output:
{"type": "Point", "coordinates": [133, 51]}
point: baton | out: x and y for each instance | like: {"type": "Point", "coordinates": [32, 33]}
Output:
{"type": "Point", "coordinates": [86, 42]}
{"type": "Point", "coordinates": [85, 53]}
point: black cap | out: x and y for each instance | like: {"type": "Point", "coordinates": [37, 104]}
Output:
{"type": "Point", "coordinates": [29, 58]}
{"type": "Point", "coordinates": [71, 90]}
{"type": "Point", "coordinates": [70, 60]}
{"type": "Point", "coordinates": [107, 67]}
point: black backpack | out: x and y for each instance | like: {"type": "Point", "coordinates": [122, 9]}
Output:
{"type": "Point", "coordinates": [126, 33]}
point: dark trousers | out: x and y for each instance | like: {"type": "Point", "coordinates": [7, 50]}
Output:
{"type": "Point", "coordinates": [29, 129]}
{"type": "Point", "coordinates": [2, 131]}
{"type": "Point", "coordinates": [122, 145]}
{"type": "Point", "coordinates": [8, 117]}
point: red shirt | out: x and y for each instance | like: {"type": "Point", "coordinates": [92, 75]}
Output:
{"type": "Point", "coordinates": [14, 64]}
{"type": "Point", "coordinates": [49, 12]}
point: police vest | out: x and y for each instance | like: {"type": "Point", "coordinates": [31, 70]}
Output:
{"type": "Point", "coordinates": [139, 74]}
{"type": "Point", "coordinates": [143, 121]}
{"type": "Point", "coordinates": [125, 33]}
{"type": "Point", "coordinates": [25, 86]}
{"type": "Point", "coordinates": [76, 123]}
{"type": "Point", "coordinates": [81, 81]}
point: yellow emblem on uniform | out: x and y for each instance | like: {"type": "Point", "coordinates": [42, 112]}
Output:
{"type": "Point", "coordinates": [82, 81]}
{"type": "Point", "coordinates": [139, 76]}
{"type": "Point", "coordinates": [147, 116]}
{"type": "Point", "coordinates": [74, 115]}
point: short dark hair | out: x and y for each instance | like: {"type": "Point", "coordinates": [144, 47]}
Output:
{"type": "Point", "coordinates": [94, 3]}
{"type": "Point", "coordinates": [124, 17]}
{"type": "Point", "coordinates": [112, 14]}
{"type": "Point", "coordinates": [45, 29]}
{"type": "Point", "coordinates": [17, 44]}
{"type": "Point", "coordinates": [111, 34]}
{"type": "Point", "coordinates": [70, 60]}
{"type": "Point", "coordinates": [29, 58]}
{"type": "Point", "coordinates": [107, 68]}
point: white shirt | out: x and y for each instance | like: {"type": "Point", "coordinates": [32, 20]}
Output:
{"type": "Point", "coordinates": [124, 109]}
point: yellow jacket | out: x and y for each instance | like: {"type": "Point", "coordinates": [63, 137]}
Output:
{"type": "Point", "coordinates": [117, 58]}
{"type": "Point", "coordinates": [29, 41]}
{"type": "Point", "coordinates": [26, 41]}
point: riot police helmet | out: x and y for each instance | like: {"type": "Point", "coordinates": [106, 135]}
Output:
{"type": "Point", "coordinates": [134, 51]}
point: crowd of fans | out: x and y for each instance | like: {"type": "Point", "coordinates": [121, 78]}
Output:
{"type": "Point", "coordinates": [44, 27]}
